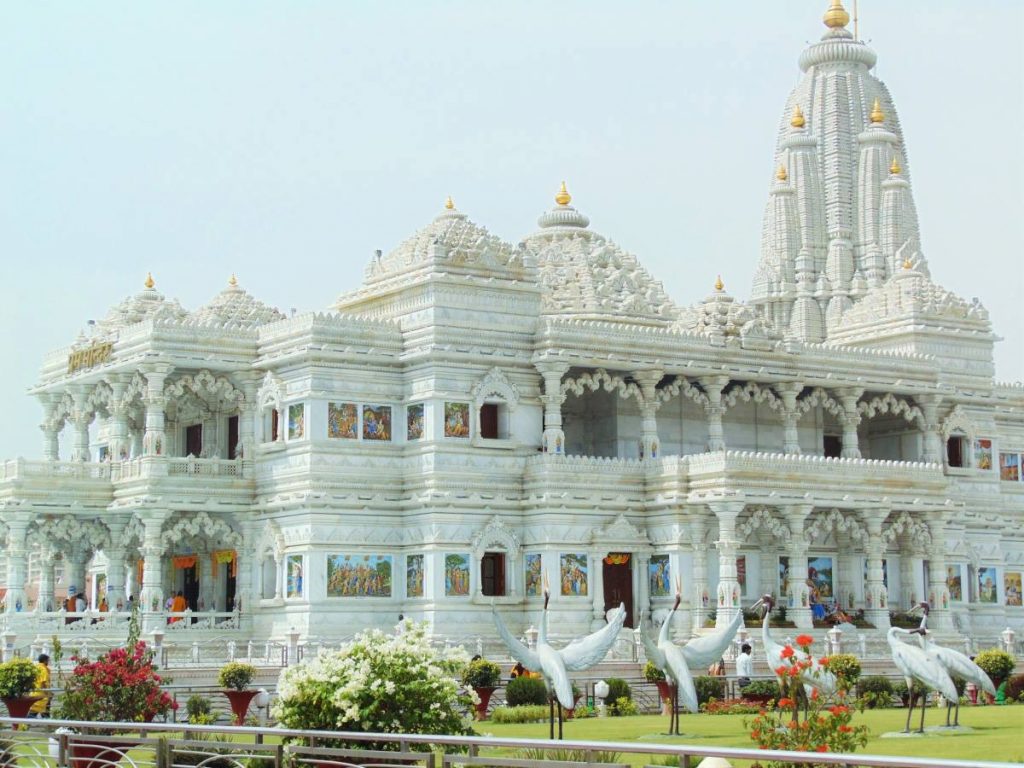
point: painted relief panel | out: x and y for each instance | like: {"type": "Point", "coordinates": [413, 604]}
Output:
{"type": "Point", "coordinates": [988, 578]}
{"type": "Point", "coordinates": [784, 581]}
{"type": "Point", "coordinates": [983, 453]}
{"type": "Point", "coordinates": [456, 419]}
{"type": "Point", "coordinates": [456, 575]}
{"type": "Point", "coordinates": [343, 421]}
{"type": "Point", "coordinates": [296, 421]}
{"type": "Point", "coordinates": [955, 582]}
{"type": "Point", "coordinates": [741, 573]}
{"type": "Point", "coordinates": [1009, 466]}
{"type": "Point", "coordinates": [294, 576]}
{"type": "Point", "coordinates": [376, 422]}
{"type": "Point", "coordinates": [359, 575]}
{"type": "Point", "coordinates": [573, 573]}
{"type": "Point", "coordinates": [819, 576]}
{"type": "Point", "coordinates": [414, 422]}
{"type": "Point", "coordinates": [534, 576]}
{"type": "Point", "coordinates": [659, 578]}
{"type": "Point", "coordinates": [414, 576]}
{"type": "Point", "coordinates": [1012, 587]}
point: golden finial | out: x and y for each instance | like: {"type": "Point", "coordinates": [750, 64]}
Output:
{"type": "Point", "coordinates": [877, 115]}
{"type": "Point", "coordinates": [836, 16]}
{"type": "Point", "coordinates": [781, 174]}
{"type": "Point", "coordinates": [797, 120]}
{"type": "Point", "coordinates": [907, 264]}
{"type": "Point", "coordinates": [149, 280]}
{"type": "Point", "coordinates": [233, 281]}
{"type": "Point", "coordinates": [894, 167]}
{"type": "Point", "coordinates": [449, 203]}
{"type": "Point", "coordinates": [719, 285]}
{"type": "Point", "coordinates": [563, 197]}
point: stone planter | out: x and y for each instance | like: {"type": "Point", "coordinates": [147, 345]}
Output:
{"type": "Point", "coordinates": [665, 696]}
{"type": "Point", "coordinates": [240, 701]}
{"type": "Point", "coordinates": [18, 706]}
{"type": "Point", "coordinates": [484, 694]}
{"type": "Point", "coordinates": [98, 753]}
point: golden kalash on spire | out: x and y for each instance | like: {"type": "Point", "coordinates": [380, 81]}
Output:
{"type": "Point", "coordinates": [781, 173]}
{"type": "Point", "coordinates": [149, 280]}
{"type": "Point", "coordinates": [563, 197]}
{"type": "Point", "coordinates": [836, 16]}
{"type": "Point", "coordinates": [877, 115]}
{"type": "Point", "coordinates": [797, 120]}
{"type": "Point", "coordinates": [449, 204]}
{"type": "Point", "coordinates": [894, 167]}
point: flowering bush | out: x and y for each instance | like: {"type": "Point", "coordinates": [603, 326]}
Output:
{"type": "Point", "coordinates": [17, 678]}
{"type": "Point", "coordinates": [653, 673]}
{"type": "Point", "coordinates": [236, 676]}
{"type": "Point", "coordinates": [379, 683]}
{"type": "Point", "coordinates": [482, 673]}
{"type": "Point", "coordinates": [826, 727]}
{"type": "Point", "coordinates": [732, 707]}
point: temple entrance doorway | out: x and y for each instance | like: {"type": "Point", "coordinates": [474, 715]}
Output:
{"type": "Point", "coordinates": [190, 587]}
{"type": "Point", "coordinates": [617, 574]}
{"type": "Point", "coordinates": [229, 591]}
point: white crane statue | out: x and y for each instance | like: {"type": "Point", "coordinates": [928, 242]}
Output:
{"type": "Point", "coordinates": [671, 660]}
{"type": "Point", "coordinates": [815, 677]}
{"type": "Point", "coordinates": [955, 663]}
{"type": "Point", "coordinates": [917, 664]}
{"type": "Point", "coordinates": [554, 664]}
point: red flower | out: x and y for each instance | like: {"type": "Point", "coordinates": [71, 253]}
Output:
{"type": "Point", "coordinates": [781, 671]}
{"type": "Point", "coordinates": [814, 694]}
{"type": "Point", "coordinates": [804, 640]}
{"type": "Point", "coordinates": [788, 652]}
{"type": "Point", "coordinates": [823, 748]}
{"type": "Point", "coordinates": [784, 703]}
{"type": "Point", "coordinates": [845, 729]}
{"type": "Point", "coordinates": [839, 709]}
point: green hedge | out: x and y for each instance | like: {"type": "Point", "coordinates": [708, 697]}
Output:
{"type": "Point", "coordinates": [709, 688]}
{"type": "Point", "coordinates": [526, 691]}
{"type": "Point", "coordinates": [521, 714]}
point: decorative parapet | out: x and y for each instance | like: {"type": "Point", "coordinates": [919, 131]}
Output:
{"type": "Point", "coordinates": [714, 462]}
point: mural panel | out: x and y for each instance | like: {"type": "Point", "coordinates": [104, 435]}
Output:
{"type": "Point", "coordinates": [296, 421]}
{"type": "Point", "coordinates": [293, 571]}
{"type": "Point", "coordinates": [660, 580]}
{"type": "Point", "coordinates": [414, 576]}
{"type": "Point", "coordinates": [376, 422]}
{"type": "Point", "coordinates": [456, 575]}
{"type": "Point", "coordinates": [534, 576]}
{"type": "Point", "coordinates": [343, 421]}
{"type": "Point", "coordinates": [954, 582]}
{"type": "Point", "coordinates": [1012, 587]}
{"type": "Point", "coordinates": [983, 453]}
{"type": "Point", "coordinates": [573, 572]}
{"type": "Point", "coordinates": [988, 578]}
{"type": "Point", "coordinates": [456, 419]}
{"type": "Point", "coordinates": [784, 596]}
{"type": "Point", "coordinates": [819, 578]}
{"type": "Point", "coordinates": [1009, 466]}
{"type": "Point", "coordinates": [414, 421]}
{"type": "Point", "coordinates": [359, 575]}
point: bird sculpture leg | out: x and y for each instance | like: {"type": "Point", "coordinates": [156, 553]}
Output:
{"type": "Point", "coordinates": [924, 705]}
{"type": "Point", "coordinates": [551, 718]}
{"type": "Point", "coordinates": [559, 721]}
{"type": "Point", "coordinates": [956, 720]}
{"type": "Point", "coordinates": [910, 711]}
{"type": "Point", "coordinates": [673, 724]}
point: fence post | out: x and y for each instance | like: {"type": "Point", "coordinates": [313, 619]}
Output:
{"type": "Point", "coordinates": [293, 646]}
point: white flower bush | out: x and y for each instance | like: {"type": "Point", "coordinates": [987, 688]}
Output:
{"type": "Point", "coordinates": [378, 683]}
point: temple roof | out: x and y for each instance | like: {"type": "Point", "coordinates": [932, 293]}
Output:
{"type": "Point", "coordinates": [148, 304]}
{"type": "Point", "coordinates": [235, 308]}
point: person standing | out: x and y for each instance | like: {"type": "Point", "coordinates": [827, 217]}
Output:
{"type": "Point", "coordinates": [744, 666]}
{"type": "Point", "coordinates": [41, 708]}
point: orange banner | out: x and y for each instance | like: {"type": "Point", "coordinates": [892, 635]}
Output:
{"type": "Point", "coordinates": [227, 557]}
{"type": "Point", "coordinates": [183, 561]}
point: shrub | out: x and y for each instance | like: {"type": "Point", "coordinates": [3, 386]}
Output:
{"type": "Point", "coordinates": [997, 664]}
{"type": "Point", "coordinates": [17, 678]}
{"type": "Point", "coordinates": [1015, 688]}
{"type": "Point", "coordinates": [580, 756]}
{"type": "Point", "coordinates": [236, 676]}
{"type": "Point", "coordinates": [526, 691]}
{"type": "Point", "coordinates": [653, 673]}
{"type": "Point", "coordinates": [523, 714]}
{"type": "Point", "coordinates": [846, 668]}
{"type": "Point", "coordinates": [875, 691]}
{"type": "Point", "coordinates": [381, 683]}
{"type": "Point", "coordinates": [482, 674]}
{"type": "Point", "coordinates": [622, 707]}
{"type": "Point", "coordinates": [732, 707]}
{"type": "Point", "coordinates": [617, 689]}
{"type": "Point", "coordinates": [900, 691]}
{"type": "Point", "coordinates": [198, 710]}
{"type": "Point", "coordinates": [761, 688]}
{"type": "Point", "coordinates": [709, 688]}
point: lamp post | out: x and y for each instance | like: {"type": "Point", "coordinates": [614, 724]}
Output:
{"type": "Point", "coordinates": [601, 691]}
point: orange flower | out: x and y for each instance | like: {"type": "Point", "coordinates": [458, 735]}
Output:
{"type": "Point", "coordinates": [823, 748]}
{"type": "Point", "coordinates": [787, 652]}
{"type": "Point", "coordinates": [814, 694]}
{"type": "Point", "coordinates": [781, 671]}
{"type": "Point", "coordinates": [839, 709]}
{"type": "Point", "coordinates": [794, 672]}
{"type": "Point", "coordinates": [784, 703]}
{"type": "Point", "coordinates": [845, 729]}
{"type": "Point", "coordinates": [804, 640]}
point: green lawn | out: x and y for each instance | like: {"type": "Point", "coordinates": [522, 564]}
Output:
{"type": "Point", "coordinates": [998, 732]}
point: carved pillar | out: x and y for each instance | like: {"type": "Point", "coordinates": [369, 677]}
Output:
{"type": "Point", "coordinates": [909, 564]}
{"type": "Point", "coordinates": [597, 588]}
{"type": "Point", "coordinates": [648, 382]}
{"type": "Point", "coordinates": [154, 442]}
{"type": "Point", "coordinates": [247, 561]}
{"type": "Point", "coordinates": [849, 398]}
{"type": "Point", "coordinates": [701, 598]}
{"type": "Point", "coordinates": [788, 391]}
{"type": "Point", "coordinates": [81, 418]}
{"type": "Point", "coordinates": [120, 441]}
{"type": "Point", "coordinates": [713, 386]}
{"type": "Point", "coordinates": [876, 599]}
{"type": "Point", "coordinates": [206, 591]}
{"type": "Point", "coordinates": [51, 426]}
{"type": "Point", "coordinates": [643, 595]}
{"type": "Point", "coordinates": [151, 596]}
{"type": "Point", "coordinates": [796, 549]}
{"type": "Point", "coordinates": [75, 562]}
{"type": "Point", "coordinates": [45, 601]}
{"type": "Point", "coordinates": [554, 438]}
{"type": "Point", "coordinates": [931, 442]}
{"type": "Point", "coordinates": [116, 554]}
{"type": "Point", "coordinates": [938, 591]}
{"type": "Point", "coordinates": [17, 562]}
{"type": "Point", "coordinates": [278, 580]}
{"type": "Point", "coordinates": [248, 413]}
{"type": "Point", "coordinates": [728, 591]}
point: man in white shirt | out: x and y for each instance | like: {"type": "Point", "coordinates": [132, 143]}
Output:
{"type": "Point", "coordinates": [744, 666]}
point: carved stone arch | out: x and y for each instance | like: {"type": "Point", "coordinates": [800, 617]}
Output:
{"type": "Point", "coordinates": [495, 384]}
{"type": "Point", "coordinates": [752, 391]}
{"type": "Point", "coordinates": [495, 534]}
{"type": "Point", "coordinates": [270, 542]}
{"type": "Point", "coordinates": [66, 532]}
{"type": "Point", "coordinates": [99, 398]}
{"type": "Point", "coordinates": [824, 523]}
{"type": "Point", "coordinates": [762, 518]}
{"type": "Point", "coordinates": [64, 407]}
{"type": "Point", "coordinates": [904, 522]}
{"type": "Point", "coordinates": [958, 421]}
{"type": "Point", "coordinates": [271, 392]}
{"type": "Point", "coordinates": [680, 385]}
{"type": "Point", "coordinates": [134, 534]}
{"type": "Point", "coordinates": [218, 392]}
{"type": "Point", "coordinates": [601, 379]}
{"type": "Point", "coordinates": [819, 397]}
{"type": "Point", "coordinates": [621, 534]}
{"type": "Point", "coordinates": [213, 529]}
{"type": "Point", "coordinates": [897, 406]}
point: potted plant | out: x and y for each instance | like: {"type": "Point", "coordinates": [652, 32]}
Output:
{"type": "Point", "coordinates": [234, 677]}
{"type": "Point", "coordinates": [761, 691]}
{"type": "Point", "coordinates": [998, 665]}
{"type": "Point", "coordinates": [17, 681]}
{"type": "Point", "coordinates": [654, 674]}
{"type": "Point", "coordinates": [483, 677]}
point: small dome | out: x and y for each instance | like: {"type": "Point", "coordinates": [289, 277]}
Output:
{"type": "Point", "coordinates": [148, 304]}
{"type": "Point", "coordinates": [237, 308]}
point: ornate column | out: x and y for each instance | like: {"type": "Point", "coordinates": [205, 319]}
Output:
{"type": "Point", "coordinates": [17, 562]}
{"type": "Point", "coordinates": [701, 599]}
{"type": "Point", "coordinates": [796, 550]}
{"type": "Point", "coordinates": [247, 561]}
{"type": "Point", "coordinates": [597, 588]}
{"type": "Point", "coordinates": [931, 442]}
{"type": "Point", "coordinates": [849, 398]}
{"type": "Point", "coordinates": [554, 438]}
{"type": "Point", "coordinates": [643, 595]}
{"type": "Point", "coordinates": [788, 391]}
{"type": "Point", "coordinates": [728, 591]}
{"type": "Point", "coordinates": [50, 427]}
{"type": "Point", "coordinates": [116, 553]}
{"type": "Point", "coordinates": [713, 386]}
{"type": "Point", "coordinates": [648, 382]}
{"type": "Point", "coordinates": [938, 591]}
{"type": "Point", "coordinates": [120, 442]}
{"type": "Point", "coordinates": [45, 601]}
{"type": "Point", "coordinates": [908, 595]}
{"type": "Point", "coordinates": [154, 442]}
{"type": "Point", "coordinates": [248, 413]}
{"type": "Point", "coordinates": [75, 562]}
{"type": "Point", "coordinates": [278, 576]}
{"type": "Point", "coordinates": [876, 599]}
{"type": "Point", "coordinates": [151, 596]}
{"type": "Point", "coordinates": [80, 420]}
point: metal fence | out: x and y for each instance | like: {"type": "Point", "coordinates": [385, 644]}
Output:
{"type": "Point", "coordinates": [71, 744]}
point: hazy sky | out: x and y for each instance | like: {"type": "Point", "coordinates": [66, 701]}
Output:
{"type": "Point", "coordinates": [286, 141]}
